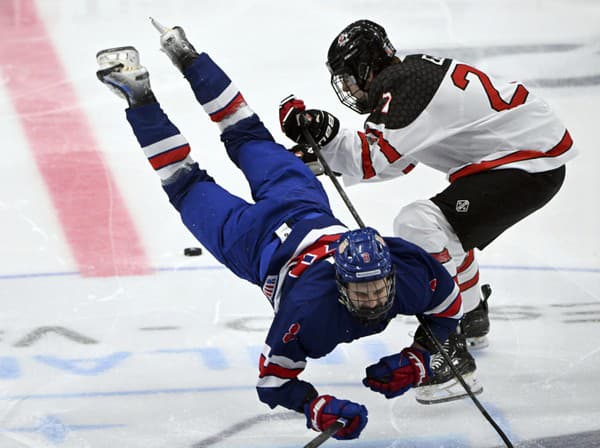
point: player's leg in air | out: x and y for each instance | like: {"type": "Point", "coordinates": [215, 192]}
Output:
{"type": "Point", "coordinates": [239, 234]}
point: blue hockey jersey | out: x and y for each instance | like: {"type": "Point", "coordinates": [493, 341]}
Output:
{"type": "Point", "coordinates": [284, 242]}
{"type": "Point", "coordinates": [310, 321]}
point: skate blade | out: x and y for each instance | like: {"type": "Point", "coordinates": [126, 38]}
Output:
{"type": "Point", "coordinates": [478, 343]}
{"type": "Point", "coordinates": [449, 391]}
{"type": "Point", "coordinates": [159, 27]}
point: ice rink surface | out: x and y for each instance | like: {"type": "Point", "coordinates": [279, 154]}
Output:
{"type": "Point", "coordinates": [111, 337]}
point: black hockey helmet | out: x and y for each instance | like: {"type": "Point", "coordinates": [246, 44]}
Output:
{"type": "Point", "coordinates": [360, 49]}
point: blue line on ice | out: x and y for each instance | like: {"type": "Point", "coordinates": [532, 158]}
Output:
{"type": "Point", "coordinates": [589, 270]}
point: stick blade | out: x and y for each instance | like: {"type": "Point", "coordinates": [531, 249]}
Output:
{"type": "Point", "coordinates": [161, 28]}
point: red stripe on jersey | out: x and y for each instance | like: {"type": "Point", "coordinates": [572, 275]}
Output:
{"type": "Point", "coordinates": [317, 251]}
{"type": "Point", "coordinates": [275, 370]}
{"type": "Point", "coordinates": [233, 105]}
{"type": "Point", "coordinates": [466, 262]}
{"type": "Point", "coordinates": [408, 168]}
{"type": "Point", "coordinates": [443, 256]}
{"type": "Point", "coordinates": [367, 164]}
{"type": "Point", "coordinates": [453, 309]}
{"type": "Point", "coordinates": [388, 150]}
{"type": "Point", "coordinates": [168, 157]}
{"type": "Point", "coordinates": [563, 146]}
{"type": "Point", "coordinates": [470, 283]}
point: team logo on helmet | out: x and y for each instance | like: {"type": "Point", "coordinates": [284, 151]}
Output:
{"type": "Point", "coordinates": [342, 39]}
{"type": "Point", "coordinates": [366, 257]}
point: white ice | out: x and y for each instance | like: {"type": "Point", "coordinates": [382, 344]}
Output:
{"type": "Point", "coordinates": [169, 359]}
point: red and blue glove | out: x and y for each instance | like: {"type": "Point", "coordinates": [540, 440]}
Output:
{"type": "Point", "coordinates": [325, 410]}
{"type": "Point", "coordinates": [395, 374]}
{"type": "Point", "coordinates": [320, 124]}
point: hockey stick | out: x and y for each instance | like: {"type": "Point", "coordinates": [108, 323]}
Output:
{"type": "Point", "coordinates": [325, 435]}
{"type": "Point", "coordinates": [317, 149]}
{"type": "Point", "coordinates": [463, 383]}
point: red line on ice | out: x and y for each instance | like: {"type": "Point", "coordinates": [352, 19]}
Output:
{"type": "Point", "coordinates": [93, 215]}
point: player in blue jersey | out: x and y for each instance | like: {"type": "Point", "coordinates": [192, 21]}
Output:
{"type": "Point", "coordinates": [327, 284]}
{"type": "Point", "coordinates": [500, 145]}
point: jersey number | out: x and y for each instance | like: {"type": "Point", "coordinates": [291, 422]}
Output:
{"type": "Point", "coordinates": [459, 77]}
{"type": "Point", "coordinates": [387, 97]}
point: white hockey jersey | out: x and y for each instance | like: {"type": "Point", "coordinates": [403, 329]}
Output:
{"type": "Point", "coordinates": [451, 117]}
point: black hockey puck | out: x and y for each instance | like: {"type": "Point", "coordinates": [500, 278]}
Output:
{"type": "Point", "coordinates": [192, 251]}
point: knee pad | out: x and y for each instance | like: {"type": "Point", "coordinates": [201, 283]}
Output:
{"type": "Point", "coordinates": [422, 223]}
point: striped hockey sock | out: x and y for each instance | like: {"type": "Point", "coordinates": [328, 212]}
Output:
{"type": "Point", "coordinates": [217, 94]}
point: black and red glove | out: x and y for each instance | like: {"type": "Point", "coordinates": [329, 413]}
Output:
{"type": "Point", "coordinates": [395, 374]}
{"type": "Point", "coordinates": [305, 153]}
{"type": "Point", "coordinates": [320, 124]}
{"type": "Point", "coordinates": [289, 108]}
{"type": "Point", "coordinates": [325, 410]}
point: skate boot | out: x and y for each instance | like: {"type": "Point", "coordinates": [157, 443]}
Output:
{"type": "Point", "coordinates": [475, 324]}
{"type": "Point", "coordinates": [120, 70]}
{"type": "Point", "coordinates": [175, 45]}
{"type": "Point", "coordinates": [443, 385]}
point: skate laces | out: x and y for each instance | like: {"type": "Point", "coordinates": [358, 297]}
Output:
{"type": "Point", "coordinates": [437, 360]}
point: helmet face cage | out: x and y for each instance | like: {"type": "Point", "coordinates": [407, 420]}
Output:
{"type": "Point", "coordinates": [368, 313]}
{"type": "Point", "coordinates": [357, 100]}
{"type": "Point", "coordinates": [360, 49]}
{"type": "Point", "coordinates": [363, 257]}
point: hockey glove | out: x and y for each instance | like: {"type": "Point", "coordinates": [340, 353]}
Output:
{"type": "Point", "coordinates": [321, 125]}
{"type": "Point", "coordinates": [395, 374]}
{"type": "Point", "coordinates": [307, 155]}
{"type": "Point", "coordinates": [325, 410]}
{"type": "Point", "coordinates": [289, 108]}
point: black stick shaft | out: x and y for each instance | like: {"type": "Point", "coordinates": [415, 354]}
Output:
{"type": "Point", "coordinates": [463, 383]}
{"type": "Point", "coordinates": [317, 149]}
{"type": "Point", "coordinates": [325, 435]}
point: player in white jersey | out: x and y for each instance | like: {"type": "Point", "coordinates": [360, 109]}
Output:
{"type": "Point", "coordinates": [502, 148]}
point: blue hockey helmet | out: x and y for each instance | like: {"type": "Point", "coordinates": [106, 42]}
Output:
{"type": "Point", "coordinates": [363, 260]}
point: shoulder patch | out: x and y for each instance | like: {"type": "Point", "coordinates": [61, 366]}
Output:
{"type": "Point", "coordinates": [402, 91]}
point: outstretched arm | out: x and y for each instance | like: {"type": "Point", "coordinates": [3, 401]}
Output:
{"type": "Point", "coordinates": [436, 300]}
{"type": "Point", "coordinates": [363, 155]}
{"type": "Point", "coordinates": [282, 361]}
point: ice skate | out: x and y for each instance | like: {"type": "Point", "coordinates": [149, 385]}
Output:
{"type": "Point", "coordinates": [444, 386]}
{"type": "Point", "coordinates": [120, 70]}
{"type": "Point", "coordinates": [174, 44]}
{"type": "Point", "coordinates": [475, 324]}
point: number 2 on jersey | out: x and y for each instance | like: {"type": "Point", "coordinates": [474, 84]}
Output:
{"type": "Point", "coordinates": [459, 77]}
